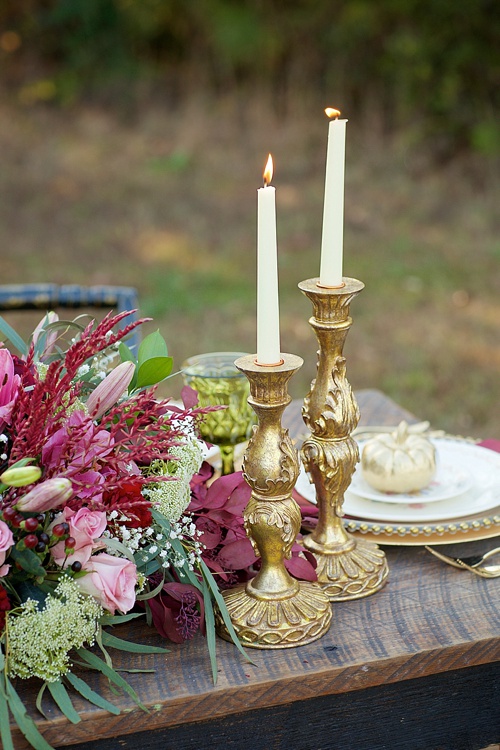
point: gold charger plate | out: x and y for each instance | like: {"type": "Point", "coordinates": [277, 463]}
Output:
{"type": "Point", "coordinates": [415, 535]}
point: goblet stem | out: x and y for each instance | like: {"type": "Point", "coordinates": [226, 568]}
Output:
{"type": "Point", "coordinates": [227, 456]}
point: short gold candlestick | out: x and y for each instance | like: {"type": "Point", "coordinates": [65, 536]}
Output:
{"type": "Point", "coordinates": [348, 567]}
{"type": "Point", "coordinates": [273, 610]}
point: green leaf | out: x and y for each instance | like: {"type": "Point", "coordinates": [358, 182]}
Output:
{"type": "Point", "coordinates": [89, 694]}
{"type": "Point", "coordinates": [96, 663]}
{"type": "Point", "coordinates": [23, 721]}
{"type": "Point", "coordinates": [125, 353]}
{"type": "Point", "coordinates": [28, 561]}
{"type": "Point", "coordinates": [5, 733]}
{"type": "Point", "coordinates": [149, 568]}
{"type": "Point", "coordinates": [112, 641]}
{"type": "Point", "coordinates": [118, 619]}
{"type": "Point", "coordinates": [117, 546]}
{"type": "Point", "coordinates": [219, 599]}
{"type": "Point", "coordinates": [145, 555]}
{"type": "Point", "coordinates": [153, 371]}
{"type": "Point", "coordinates": [13, 337]}
{"type": "Point", "coordinates": [22, 462]}
{"type": "Point", "coordinates": [150, 594]}
{"type": "Point", "coordinates": [38, 702]}
{"type": "Point", "coordinates": [177, 546]}
{"type": "Point", "coordinates": [107, 657]}
{"type": "Point", "coordinates": [59, 325]}
{"type": "Point", "coordinates": [210, 628]}
{"type": "Point", "coordinates": [152, 346]}
{"type": "Point", "coordinates": [61, 697]}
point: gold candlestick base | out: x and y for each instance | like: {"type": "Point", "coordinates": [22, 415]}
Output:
{"type": "Point", "coordinates": [273, 610]}
{"type": "Point", "coordinates": [348, 568]}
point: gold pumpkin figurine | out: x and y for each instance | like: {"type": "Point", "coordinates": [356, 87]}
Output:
{"type": "Point", "coordinates": [399, 462]}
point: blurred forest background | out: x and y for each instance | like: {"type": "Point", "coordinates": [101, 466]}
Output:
{"type": "Point", "coordinates": [133, 135]}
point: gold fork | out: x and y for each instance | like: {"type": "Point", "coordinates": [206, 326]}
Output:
{"type": "Point", "coordinates": [474, 564]}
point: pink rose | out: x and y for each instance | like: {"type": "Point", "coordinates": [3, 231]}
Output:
{"type": "Point", "coordinates": [110, 580]}
{"type": "Point", "coordinates": [4, 570]}
{"type": "Point", "coordinates": [85, 526]}
{"type": "Point", "coordinates": [6, 542]}
{"type": "Point", "coordinates": [6, 537]}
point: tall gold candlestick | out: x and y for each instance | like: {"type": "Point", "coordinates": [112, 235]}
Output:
{"type": "Point", "coordinates": [273, 610]}
{"type": "Point", "coordinates": [348, 567]}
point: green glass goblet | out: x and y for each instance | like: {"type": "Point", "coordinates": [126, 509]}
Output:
{"type": "Point", "coordinates": [219, 383]}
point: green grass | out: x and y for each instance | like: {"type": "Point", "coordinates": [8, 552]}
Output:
{"type": "Point", "coordinates": [168, 204]}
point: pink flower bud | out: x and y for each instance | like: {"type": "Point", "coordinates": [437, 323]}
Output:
{"type": "Point", "coordinates": [109, 391]}
{"type": "Point", "coordinates": [46, 496]}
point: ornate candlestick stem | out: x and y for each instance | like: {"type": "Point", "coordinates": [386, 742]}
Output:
{"type": "Point", "coordinates": [273, 610]}
{"type": "Point", "coordinates": [348, 568]}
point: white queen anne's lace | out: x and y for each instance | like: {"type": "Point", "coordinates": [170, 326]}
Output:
{"type": "Point", "coordinates": [39, 640]}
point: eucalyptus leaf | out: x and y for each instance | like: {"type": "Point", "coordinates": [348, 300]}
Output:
{"type": "Point", "coordinates": [153, 371]}
{"type": "Point", "coordinates": [219, 599]}
{"type": "Point", "coordinates": [119, 619]}
{"type": "Point", "coordinates": [151, 567]}
{"type": "Point", "coordinates": [86, 692]}
{"type": "Point", "coordinates": [107, 657]}
{"type": "Point", "coordinates": [117, 546]}
{"type": "Point", "coordinates": [112, 641]}
{"type": "Point", "coordinates": [150, 594]}
{"type": "Point", "coordinates": [58, 325]}
{"type": "Point", "coordinates": [5, 733]}
{"type": "Point", "coordinates": [183, 572]}
{"type": "Point", "coordinates": [92, 660]}
{"type": "Point", "coordinates": [61, 697]}
{"type": "Point", "coordinates": [23, 721]}
{"type": "Point", "coordinates": [13, 337]}
{"type": "Point", "coordinates": [38, 702]}
{"type": "Point", "coordinates": [210, 630]}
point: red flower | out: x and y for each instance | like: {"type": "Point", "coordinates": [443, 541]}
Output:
{"type": "Point", "coordinates": [178, 611]}
{"type": "Point", "coordinates": [128, 498]}
{"type": "Point", "coordinates": [4, 607]}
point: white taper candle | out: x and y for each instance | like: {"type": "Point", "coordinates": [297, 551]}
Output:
{"type": "Point", "coordinates": [333, 211]}
{"type": "Point", "coordinates": [268, 326]}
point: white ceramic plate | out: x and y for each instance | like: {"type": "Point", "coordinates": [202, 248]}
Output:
{"type": "Point", "coordinates": [452, 479]}
{"type": "Point", "coordinates": [484, 494]}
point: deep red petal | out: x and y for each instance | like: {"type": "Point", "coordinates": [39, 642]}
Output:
{"type": "Point", "coordinates": [237, 555]}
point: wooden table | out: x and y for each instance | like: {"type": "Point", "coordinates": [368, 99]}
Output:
{"type": "Point", "coordinates": [413, 667]}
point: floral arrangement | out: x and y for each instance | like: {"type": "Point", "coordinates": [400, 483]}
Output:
{"type": "Point", "coordinates": [96, 476]}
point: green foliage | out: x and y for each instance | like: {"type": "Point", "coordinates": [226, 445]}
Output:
{"type": "Point", "coordinates": [152, 364]}
{"type": "Point", "coordinates": [433, 64]}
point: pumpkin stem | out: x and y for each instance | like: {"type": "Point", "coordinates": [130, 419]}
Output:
{"type": "Point", "coordinates": [401, 433]}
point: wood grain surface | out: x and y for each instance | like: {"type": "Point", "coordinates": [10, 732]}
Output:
{"type": "Point", "coordinates": [424, 647]}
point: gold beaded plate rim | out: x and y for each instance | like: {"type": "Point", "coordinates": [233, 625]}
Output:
{"type": "Point", "coordinates": [465, 530]}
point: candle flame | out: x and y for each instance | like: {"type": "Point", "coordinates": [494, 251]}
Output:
{"type": "Point", "coordinates": [268, 171]}
{"type": "Point", "coordinates": [330, 112]}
